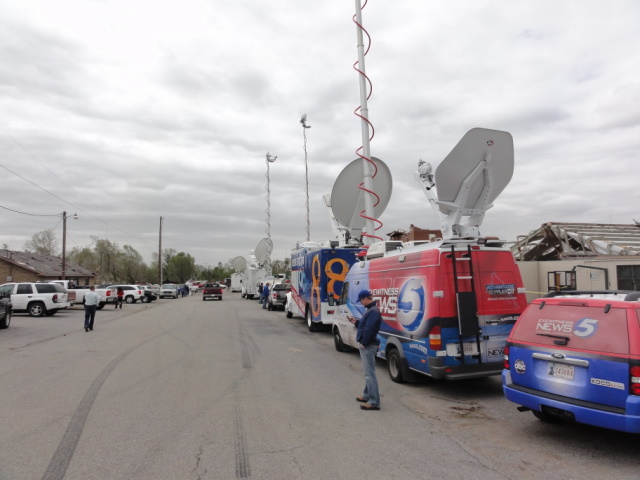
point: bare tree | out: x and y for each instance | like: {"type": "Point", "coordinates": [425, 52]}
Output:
{"type": "Point", "coordinates": [43, 243]}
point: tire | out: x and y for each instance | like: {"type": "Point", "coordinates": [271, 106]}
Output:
{"type": "Point", "coordinates": [203, 299]}
{"type": "Point", "coordinates": [101, 306]}
{"type": "Point", "coordinates": [269, 306]}
{"type": "Point", "coordinates": [310, 323]}
{"type": "Point", "coordinates": [145, 299]}
{"type": "Point", "coordinates": [395, 364]}
{"type": "Point", "coordinates": [6, 321]}
{"type": "Point", "coordinates": [129, 299]}
{"type": "Point", "coordinates": [545, 417]}
{"type": "Point", "coordinates": [36, 309]}
{"type": "Point", "coordinates": [337, 340]}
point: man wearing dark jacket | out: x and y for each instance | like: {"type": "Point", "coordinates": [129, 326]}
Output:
{"type": "Point", "coordinates": [368, 343]}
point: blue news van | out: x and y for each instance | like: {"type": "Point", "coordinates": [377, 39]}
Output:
{"type": "Point", "coordinates": [317, 272]}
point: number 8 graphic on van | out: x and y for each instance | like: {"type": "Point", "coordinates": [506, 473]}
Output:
{"type": "Point", "coordinates": [585, 327]}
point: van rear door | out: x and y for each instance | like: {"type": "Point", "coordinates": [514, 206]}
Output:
{"type": "Point", "coordinates": [572, 350]}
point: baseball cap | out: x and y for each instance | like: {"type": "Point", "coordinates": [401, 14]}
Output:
{"type": "Point", "coordinates": [364, 294]}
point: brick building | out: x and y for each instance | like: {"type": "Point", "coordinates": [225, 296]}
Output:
{"type": "Point", "coordinates": [32, 267]}
{"type": "Point", "coordinates": [414, 234]}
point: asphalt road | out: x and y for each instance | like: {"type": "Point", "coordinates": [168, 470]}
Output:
{"type": "Point", "coordinates": [186, 389]}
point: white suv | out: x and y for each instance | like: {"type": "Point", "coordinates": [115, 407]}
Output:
{"type": "Point", "coordinates": [132, 293]}
{"type": "Point", "coordinates": [36, 299]}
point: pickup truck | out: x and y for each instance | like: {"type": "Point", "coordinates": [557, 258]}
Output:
{"type": "Point", "coordinates": [75, 294]}
{"type": "Point", "coordinates": [277, 296]}
{"type": "Point", "coordinates": [36, 299]}
{"type": "Point", "coordinates": [212, 290]}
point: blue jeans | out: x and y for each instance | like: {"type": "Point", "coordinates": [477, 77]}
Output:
{"type": "Point", "coordinates": [89, 315]}
{"type": "Point", "coordinates": [368, 360]}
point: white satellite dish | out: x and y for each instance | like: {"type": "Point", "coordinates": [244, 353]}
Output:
{"type": "Point", "coordinates": [347, 200]}
{"type": "Point", "coordinates": [239, 264]}
{"type": "Point", "coordinates": [468, 180]}
{"type": "Point", "coordinates": [264, 249]}
{"type": "Point", "coordinates": [479, 145]}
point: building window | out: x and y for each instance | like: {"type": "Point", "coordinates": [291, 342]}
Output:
{"type": "Point", "coordinates": [628, 277]}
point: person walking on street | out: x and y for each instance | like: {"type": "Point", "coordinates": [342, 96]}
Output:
{"type": "Point", "coordinates": [91, 302]}
{"type": "Point", "coordinates": [368, 343]}
{"type": "Point", "coordinates": [265, 295]}
{"type": "Point", "coordinates": [120, 296]}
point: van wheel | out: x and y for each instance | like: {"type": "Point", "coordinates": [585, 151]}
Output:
{"type": "Point", "coordinates": [129, 299]}
{"type": "Point", "coordinates": [337, 340]}
{"type": "Point", "coordinates": [394, 361]}
{"type": "Point", "coordinates": [545, 417]}
{"type": "Point", "coordinates": [36, 309]}
{"type": "Point", "coordinates": [101, 306]}
{"type": "Point", "coordinates": [310, 323]}
{"type": "Point", "coordinates": [144, 299]}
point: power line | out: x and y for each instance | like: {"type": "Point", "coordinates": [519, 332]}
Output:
{"type": "Point", "coordinates": [30, 214]}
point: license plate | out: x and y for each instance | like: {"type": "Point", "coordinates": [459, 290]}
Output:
{"type": "Point", "coordinates": [453, 349]}
{"type": "Point", "coordinates": [558, 370]}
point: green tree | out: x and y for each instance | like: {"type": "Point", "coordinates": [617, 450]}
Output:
{"type": "Point", "coordinates": [131, 266]}
{"type": "Point", "coordinates": [181, 267]}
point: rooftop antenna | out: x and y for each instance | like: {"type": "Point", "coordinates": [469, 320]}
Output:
{"type": "Point", "coordinates": [267, 258]}
{"type": "Point", "coordinates": [303, 122]}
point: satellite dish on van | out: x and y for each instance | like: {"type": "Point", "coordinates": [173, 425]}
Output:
{"type": "Point", "coordinates": [264, 249]}
{"type": "Point", "coordinates": [239, 263]}
{"type": "Point", "coordinates": [468, 180]}
{"type": "Point", "coordinates": [347, 200]}
{"type": "Point", "coordinates": [479, 145]}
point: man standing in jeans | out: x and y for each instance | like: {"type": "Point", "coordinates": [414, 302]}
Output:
{"type": "Point", "coordinates": [368, 343]}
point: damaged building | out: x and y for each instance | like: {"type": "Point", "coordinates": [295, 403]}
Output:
{"type": "Point", "coordinates": [579, 256]}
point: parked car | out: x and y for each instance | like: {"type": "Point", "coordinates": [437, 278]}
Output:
{"type": "Point", "coordinates": [169, 290]}
{"type": "Point", "coordinates": [36, 299]}
{"type": "Point", "coordinates": [576, 357]}
{"type": "Point", "coordinates": [148, 293]}
{"type": "Point", "coordinates": [132, 293]}
{"type": "Point", "coordinates": [277, 296]}
{"type": "Point", "coordinates": [5, 310]}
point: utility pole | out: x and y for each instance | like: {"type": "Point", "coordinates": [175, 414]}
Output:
{"type": "Point", "coordinates": [160, 253]}
{"type": "Point", "coordinates": [64, 245]}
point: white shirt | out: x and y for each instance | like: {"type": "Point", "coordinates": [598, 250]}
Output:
{"type": "Point", "coordinates": [91, 298]}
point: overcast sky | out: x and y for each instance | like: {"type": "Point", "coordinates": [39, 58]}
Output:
{"type": "Point", "coordinates": [123, 111]}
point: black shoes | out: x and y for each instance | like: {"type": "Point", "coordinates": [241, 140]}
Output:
{"type": "Point", "coordinates": [86, 329]}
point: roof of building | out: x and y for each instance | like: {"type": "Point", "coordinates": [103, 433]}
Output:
{"type": "Point", "coordinates": [44, 265]}
{"type": "Point", "coordinates": [557, 241]}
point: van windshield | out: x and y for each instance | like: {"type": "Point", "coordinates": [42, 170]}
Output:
{"type": "Point", "coordinates": [575, 326]}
